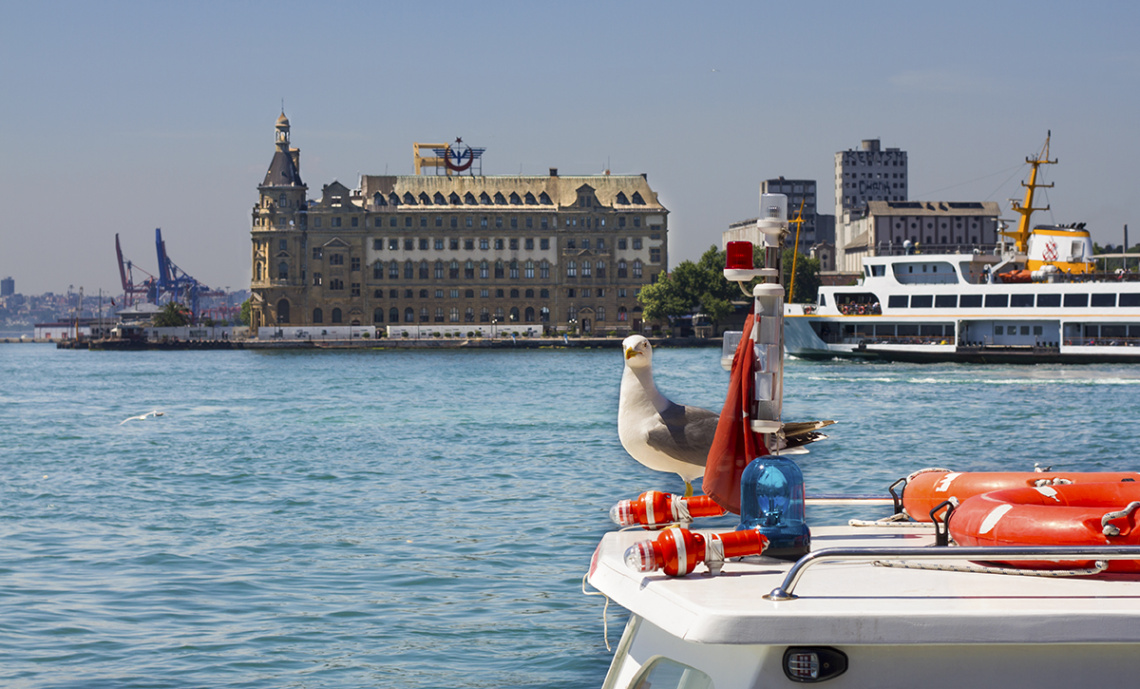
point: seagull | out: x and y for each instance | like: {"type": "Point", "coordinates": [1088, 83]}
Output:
{"type": "Point", "coordinates": [671, 437]}
{"type": "Point", "coordinates": [659, 433]}
{"type": "Point", "coordinates": [141, 417]}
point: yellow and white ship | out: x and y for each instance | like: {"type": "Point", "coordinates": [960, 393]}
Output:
{"type": "Point", "coordinates": [1039, 298]}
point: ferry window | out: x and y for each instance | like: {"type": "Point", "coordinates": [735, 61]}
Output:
{"type": "Point", "coordinates": [945, 301]}
{"type": "Point", "coordinates": [970, 301]}
{"type": "Point", "coordinates": [997, 301]}
{"type": "Point", "coordinates": [897, 301]}
{"type": "Point", "coordinates": [878, 271]}
{"type": "Point", "coordinates": [1076, 300]}
{"type": "Point", "coordinates": [1038, 330]}
{"type": "Point", "coordinates": [908, 330]}
{"type": "Point", "coordinates": [1112, 330]}
{"type": "Point", "coordinates": [1025, 330]}
{"type": "Point", "coordinates": [1132, 299]}
{"type": "Point", "coordinates": [1104, 300]}
{"type": "Point", "coordinates": [921, 301]}
{"type": "Point", "coordinates": [1048, 300]}
{"type": "Point", "coordinates": [663, 673]}
{"type": "Point", "coordinates": [1021, 300]}
{"type": "Point", "coordinates": [822, 299]}
{"type": "Point", "coordinates": [999, 330]}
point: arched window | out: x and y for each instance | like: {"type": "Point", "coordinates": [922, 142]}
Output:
{"type": "Point", "coordinates": [409, 269]}
{"type": "Point", "coordinates": [637, 267]}
{"type": "Point", "coordinates": [439, 270]}
{"type": "Point", "coordinates": [378, 200]}
{"type": "Point", "coordinates": [394, 270]}
{"type": "Point", "coordinates": [587, 269]}
{"type": "Point", "coordinates": [424, 315]}
{"type": "Point", "coordinates": [572, 269]}
{"type": "Point", "coordinates": [423, 270]}
{"type": "Point", "coordinates": [439, 314]}
{"type": "Point", "coordinates": [336, 316]}
{"type": "Point", "coordinates": [283, 271]}
{"type": "Point", "coordinates": [393, 315]}
{"type": "Point", "coordinates": [484, 199]}
{"type": "Point", "coordinates": [378, 315]}
{"type": "Point", "coordinates": [544, 269]}
{"type": "Point", "coordinates": [409, 315]}
{"type": "Point", "coordinates": [622, 315]}
{"type": "Point", "coordinates": [424, 200]}
{"type": "Point", "coordinates": [484, 315]}
{"type": "Point", "coordinates": [453, 314]}
{"type": "Point", "coordinates": [601, 265]}
{"type": "Point", "coordinates": [622, 272]}
{"type": "Point", "coordinates": [453, 269]}
{"type": "Point", "coordinates": [544, 315]}
{"type": "Point", "coordinates": [393, 199]}
{"type": "Point", "coordinates": [378, 270]}
{"type": "Point", "coordinates": [514, 269]}
{"type": "Point", "coordinates": [283, 311]}
{"type": "Point", "coordinates": [600, 314]}
{"type": "Point", "coordinates": [544, 199]}
{"type": "Point", "coordinates": [409, 199]}
{"type": "Point", "coordinates": [484, 270]}
{"type": "Point", "coordinates": [498, 269]}
{"type": "Point", "coordinates": [528, 269]}
{"type": "Point", "coordinates": [439, 201]}
{"type": "Point", "coordinates": [529, 314]}
{"type": "Point", "coordinates": [469, 269]}
{"type": "Point", "coordinates": [499, 313]}
{"type": "Point", "coordinates": [469, 315]}
{"type": "Point", "coordinates": [514, 314]}
{"type": "Point", "coordinates": [318, 315]}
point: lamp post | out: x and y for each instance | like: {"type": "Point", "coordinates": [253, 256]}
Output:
{"type": "Point", "coordinates": [494, 326]}
{"type": "Point", "coordinates": [573, 326]}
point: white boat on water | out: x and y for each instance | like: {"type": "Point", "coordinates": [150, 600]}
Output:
{"type": "Point", "coordinates": [1038, 299]}
{"type": "Point", "coordinates": [882, 603]}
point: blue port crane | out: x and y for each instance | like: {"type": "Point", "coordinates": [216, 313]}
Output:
{"type": "Point", "coordinates": [174, 283]}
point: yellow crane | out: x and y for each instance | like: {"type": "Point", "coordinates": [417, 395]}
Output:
{"type": "Point", "coordinates": [798, 221]}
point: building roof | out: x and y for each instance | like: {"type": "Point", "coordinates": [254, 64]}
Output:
{"type": "Point", "coordinates": [933, 208]}
{"type": "Point", "coordinates": [283, 171]}
{"type": "Point", "coordinates": [630, 192]}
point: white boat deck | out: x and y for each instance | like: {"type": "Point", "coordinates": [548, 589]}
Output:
{"type": "Point", "coordinates": [861, 603]}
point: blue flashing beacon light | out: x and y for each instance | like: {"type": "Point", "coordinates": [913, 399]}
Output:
{"type": "Point", "coordinates": [772, 500]}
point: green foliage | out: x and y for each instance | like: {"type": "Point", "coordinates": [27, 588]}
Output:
{"type": "Point", "coordinates": [807, 277]}
{"type": "Point", "coordinates": [245, 312]}
{"type": "Point", "coordinates": [691, 287]}
{"type": "Point", "coordinates": [173, 315]}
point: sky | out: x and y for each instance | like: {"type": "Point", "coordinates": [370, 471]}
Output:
{"type": "Point", "coordinates": [120, 117]}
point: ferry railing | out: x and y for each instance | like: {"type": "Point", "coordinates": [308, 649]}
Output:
{"type": "Point", "coordinates": [784, 591]}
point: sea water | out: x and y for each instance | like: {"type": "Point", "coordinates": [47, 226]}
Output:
{"type": "Point", "coordinates": [412, 519]}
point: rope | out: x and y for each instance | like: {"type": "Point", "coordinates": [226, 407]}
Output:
{"type": "Point", "coordinates": [1097, 568]}
{"type": "Point", "coordinates": [927, 471]}
{"type": "Point", "coordinates": [888, 522]}
{"type": "Point", "coordinates": [1112, 529]}
{"type": "Point", "coordinates": [605, 611]}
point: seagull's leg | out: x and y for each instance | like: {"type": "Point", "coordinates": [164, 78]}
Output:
{"type": "Point", "coordinates": [688, 490]}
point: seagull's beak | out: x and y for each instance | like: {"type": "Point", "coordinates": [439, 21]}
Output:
{"type": "Point", "coordinates": [630, 352]}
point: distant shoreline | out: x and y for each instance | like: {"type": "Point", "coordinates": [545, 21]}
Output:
{"type": "Point", "coordinates": [383, 343]}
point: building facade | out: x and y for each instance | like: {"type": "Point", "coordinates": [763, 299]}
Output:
{"type": "Point", "coordinates": [936, 227]}
{"type": "Point", "coordinates": [554, 253]}
{"type": "Point", "coordinates": [867, 174]}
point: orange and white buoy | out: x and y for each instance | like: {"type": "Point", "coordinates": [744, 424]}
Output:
{"type": "Point", "coordinates": [654, 508]}
{"type": "Point", "coordinates": [1065, 515]}
{"type": "Point", "coordinates": [677, 551]}
{"type": "Point", "coordinates": [926, 489]}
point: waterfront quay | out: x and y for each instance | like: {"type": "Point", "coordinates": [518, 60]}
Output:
{"type": "Point", "coordinates": [383, 343]}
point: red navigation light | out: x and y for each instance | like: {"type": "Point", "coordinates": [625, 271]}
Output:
{"type": "Point", "coordinates": [739, 256]}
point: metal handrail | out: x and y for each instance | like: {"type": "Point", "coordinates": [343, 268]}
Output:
{"type": "Point", "coordinates": [986, 554]}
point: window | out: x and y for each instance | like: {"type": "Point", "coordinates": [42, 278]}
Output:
{"type": "Point", "coordinates": [469, 315]}
{"type": "Point", "coordinates": [514, 269]}
{"type": "Point", "coordinates": [317, 250]}
{"type": "Point", "coordinates": [544, 243]}
{"type": "Point", "coordinates": [283, 271]}
{"type": "Point", "coordinates": [600, 314]}
{"type": "Point", "coordinates": [622, 270]}
{"type": "Point", "coordinates": [336, 259]}
{"type": "Point", "coordinates": [424, 318]}
{"type": "Point", "coordinates": [355, 291]}
{"type": "Point", "coordinates": [572, 269]}
{"type": "Point", "coordinates": [454, 243]}
{"type": "Point", "coordinates": [601, 266]}
{"type": "Point", "coordinates": [1021, 300]}
{"type": "Point", "coordinates": [637, 268]}
{"type": "Point", "coordinates": [498, 269]}
{"type": "Point", "coordinates": [439, 314]}
{"type": "Point", "coordinates": [946, 301]}
{"type": "Point", "coordinates": [469, 244]}
{"type": "Point", "coordinates": [529, 270]}
{"type": "Point", "coordinates": [897, 301]}
{"type": "Point", "coordinates": [544, 270]}
{"type": "Point", "coordinates": [571, 244]}
{"type": "Point", "coordinates": [921, 301]}
{"type": "Point", "coordinates": [393, 315]}
{"type": "Point", "coordinates": [439, 270]}
{"type": "Point", "coordinates": [528, 243]}
{"type": "Point", "coordinates": [469, 269]}
{"type": "Point", "coordinates": [424, 243]}
{"type": "Point", "coordinates": [409, 270]}
{"type": "Point", "coordinates": [393, 243]}
{"type": "Point", "coordinates": [336, 316]}
{"type": "Point", "coordinates": [439, 245]}
{"type": "Point", "coordinates": [453, 269]}
{"type": "Point", "coordinates": [621, 244]}
{"type": "Point", "coordinates": [637, 243]}
{"type": "Point", "coordinates": [409, 243]}
{"type": "Point", "coordinates": [423, 270]}
{"type": "Point", "coordinates": [336, 284]}
{"type": "Point", "coordinates": [1050, 300]}
{"type": "Point", "coordinates": [378, 270]}
{"type": "Point", "coordinates": [484, 243]}
{"type": "Point", "coordinates": [498, 244]}
{"type": "Point", "coordinates": [484, 270]}
{"type": "Point", "coordinates": [409, 315]}
{"type": "Point", "coordinates": [378, 315]}
{"type": "Point", "coordinates": [355, 263]}
{"type": "Point", "coordinates": [587, 269]}
{"type": "Point", "coordinates": [1076, 300]}
{"type": "Point", "coordinates": [655, 255]}
{"type": "Point", "coordinates": [970, 301]}
{"type": "Point", "coordinates": [1127, 299]}
{"type": "Point", "coordinates": [318, 316]}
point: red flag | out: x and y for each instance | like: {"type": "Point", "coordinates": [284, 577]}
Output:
{"type": "Point", "coordinates": [735, 444]}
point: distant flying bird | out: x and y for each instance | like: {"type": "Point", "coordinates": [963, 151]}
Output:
{"type": "Point", "coordinates": [141, 417]}
{"type": "Point", "coordinates": [671, 437]}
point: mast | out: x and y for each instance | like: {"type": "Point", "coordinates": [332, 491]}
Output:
{"type": "Point", "coordinates": [1025, 209]}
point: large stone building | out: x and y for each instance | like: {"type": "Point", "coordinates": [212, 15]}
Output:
{"type": "Point", "coordinates": [542, 253]}
{"type": "Point", "coordinates": [895, 227]}
{"type": "Point", "coordinates": [867, 174]}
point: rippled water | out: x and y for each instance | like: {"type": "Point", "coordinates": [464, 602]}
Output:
{"type": "Point", "coordinates": [409, 519]}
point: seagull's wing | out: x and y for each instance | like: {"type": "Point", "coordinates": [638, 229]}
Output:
{"type": "Point", "coordinates": [685, 433]}
{"type": "Point", "coordinates": [798, 428]}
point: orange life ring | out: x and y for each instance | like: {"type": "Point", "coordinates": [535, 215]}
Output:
{"type": "Point", "coordinates": [1066, 515]}
{"type": "Point", "coordinates": [926, 489]}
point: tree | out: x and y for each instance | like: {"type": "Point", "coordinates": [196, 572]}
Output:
{"type": "Point", "coordinates": [245, 312]}
{"type": "Point", "coordinates": [691, 286]}
{"type": "Point", "coordinates": [173, 315]}
{"type": "Point", "coordinates": [807, 277]}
